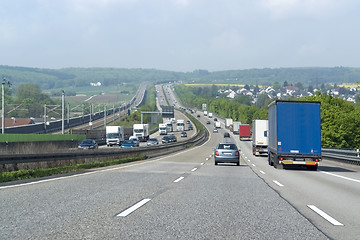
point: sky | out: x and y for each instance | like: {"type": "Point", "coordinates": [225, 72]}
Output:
{"type": "Point", "coordinates": [180, 35]}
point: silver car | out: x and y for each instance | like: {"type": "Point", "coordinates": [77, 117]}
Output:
{"type": "Point", "coordinates": [227, 152]}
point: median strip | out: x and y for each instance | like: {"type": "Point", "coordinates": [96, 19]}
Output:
{"type": "Point", "coordinates": [133, 208]}
{"type": "Point", "coordinates": [325, 216]}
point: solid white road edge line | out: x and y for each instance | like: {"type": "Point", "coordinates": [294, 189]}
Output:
{"type": "Point", "coordinates": [339, 176]}
{"type": "Point", "coordinates": [133, 208]}
{"type": "Point", "coordinates": [179, 179]}
{"type": "Point", "coordinates": [93, 172]}
{"type": "Point", "coordinates": [326, 216]}
{"type": "Point", "coordinates": [277, 183]}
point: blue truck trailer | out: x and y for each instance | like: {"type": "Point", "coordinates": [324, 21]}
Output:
{"type": "Point", "coordinates": [294, 134]}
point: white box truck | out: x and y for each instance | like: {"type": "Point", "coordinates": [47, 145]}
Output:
{"type": "Point", "coordinates": [236, 127]}
{"type": "Point", "coordinates": [228, 122]}
{"type": "Point", "coordinates": [260, 139]}
{"type": "Point", "coordinates": [169, 127]}
{"type": "Point", "coordinates": [210, 114]}
{"type": "Point", "coordinates": [217, 124]}
{"type": "Point", "coordinates": [114, 135]}
{"type": "Point", "coordinates": [180, 125]}
{"type": "Point", "coordinates": [141, 131]}
{"type": "Point", "coordinates": [162, 129]}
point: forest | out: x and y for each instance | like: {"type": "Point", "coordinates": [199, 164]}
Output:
{"type": "Point", "coordinates": [340, 120]}
{"type": "Point", "coordinates": [76, 78]}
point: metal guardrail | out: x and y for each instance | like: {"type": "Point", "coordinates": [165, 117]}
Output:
{"type": "Point", "coordinates": [349, 156]}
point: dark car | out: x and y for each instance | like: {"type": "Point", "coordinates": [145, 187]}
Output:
{"type": "Point", "coordinates": [207, 122]}
{"type": "Point", "coordinates": [166, 139]}
{"type": "Point", "coordinates": [190, 127]}
{"type": "Point", "coordinates": [183, 134]}
{"type": "Point", "coordinates": [198, 116]}
{"type": "Point", "coordinates": [173, 138]}
{"type": "Point", "coordinates": [128, 144]}
{"type": "Point", "coordinates": [226, 135]}
{"type": "Point", "coordinates": [227, 152]}
{"type": "Point", "coordinates": [215, 119]}
{"type": "Point", "coordinates": [88, 144]}
{"type": "Point", "coordinates": [187, 122]}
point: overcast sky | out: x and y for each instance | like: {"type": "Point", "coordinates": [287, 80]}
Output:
{"type": "Point", "coordinates": [180, 35]}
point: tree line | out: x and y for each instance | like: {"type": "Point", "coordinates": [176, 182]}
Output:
{"type": "Point", "coordinates": [340, 120]}
{"type": "Point", "coordinates": [51, 79]}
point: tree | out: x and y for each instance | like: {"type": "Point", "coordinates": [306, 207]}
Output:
{"type": "Point", "coordinates": [276, 86]}
{"type": "Point", "coordinates": [310, 88]}
{"type": "Point", "coordinates": [32, 99]}
{"type": "Point", "coordinates": [299, 86]}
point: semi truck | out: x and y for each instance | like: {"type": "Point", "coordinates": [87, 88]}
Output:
{"type": "Point", "coordinates": [180, 125]}
{"type": "Point", "coordinates": [260, 138]}
{"type": "Point", "coordinates": [294, 134]}
{"type": "Point", "coordinates": [162, 129]}
{"type": "Point", "coordinates": [114, 135]}
{"type": "Point", "coordinates": [141, 131]}
{"type": "Point", "coordinates": [244, 132]}
{"type": "Point", "coordinates": [228, 122]}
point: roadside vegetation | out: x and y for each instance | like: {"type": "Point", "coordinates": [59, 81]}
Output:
{"type": "Point", "coordinates": [45, 172]}
{"type": "Point", "coordinates": [340, 119]}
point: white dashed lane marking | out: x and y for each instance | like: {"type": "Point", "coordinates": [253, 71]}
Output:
{"type": "Point", "coordinates": [325, 216]}
{"type": "Point", "coordinates": [133, 208]}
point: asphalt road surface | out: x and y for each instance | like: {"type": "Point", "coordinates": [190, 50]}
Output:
{"type": "Point", "coordinates": [185, 196]}
{"type": "Point", "coordinates": [182, 196]}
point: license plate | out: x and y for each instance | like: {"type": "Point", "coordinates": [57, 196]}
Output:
{"type": "Point", "coordinates": [287, 162]}
{"type": "Point", "coordinates": [227, 153]}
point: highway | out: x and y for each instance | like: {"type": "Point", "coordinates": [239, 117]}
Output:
{"type": "Point", "coordinates": [182, 196]}
{"type": "Point", "coordinates": [185, 196]}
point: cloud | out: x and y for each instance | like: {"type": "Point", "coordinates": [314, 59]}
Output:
{"type": "Point", "coordinates": [280, 9]}
{"type": "Point", "coordinates": [227, 40]}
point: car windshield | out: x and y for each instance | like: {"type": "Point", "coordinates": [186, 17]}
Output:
{"type": "Point", "coordinates": [87, 142]}
{"type": "Point", "coordinates": [227, 146]}
{"type": "Point", "coordinates": [128, 142]}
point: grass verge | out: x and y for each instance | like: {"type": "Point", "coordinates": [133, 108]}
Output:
{"type": "Point", "coordinates": [44, 172]}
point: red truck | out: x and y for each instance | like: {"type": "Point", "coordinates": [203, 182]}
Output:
{"type": "Point", "coordinates": [244, 132]}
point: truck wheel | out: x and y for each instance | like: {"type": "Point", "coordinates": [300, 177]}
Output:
{"type": "Point", "coordinates": [277, 165]}
{"type": "Point", "coordinates": [216, 163]}
{"type": "Point", "coordinates": [271, 163]}
{"type": "Point", "coordinates": [313, 168]}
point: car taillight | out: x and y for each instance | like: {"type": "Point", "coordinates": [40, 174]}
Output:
{"type": "Point", "coordinates": [237, 153]}
{"type": "Point", "coordinates": [216, 153]}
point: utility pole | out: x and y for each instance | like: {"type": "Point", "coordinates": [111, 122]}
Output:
{"type": "Point", "coordinates": [105, 113]}
{"type": "Point", "coordinates": [62, 111]}
{"type": "Point", "coordinates": [68, 115]}
{"type": "Point", "coordinates": [45, 117]}
{"type": "Point", "coordinates": [3, 105]}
